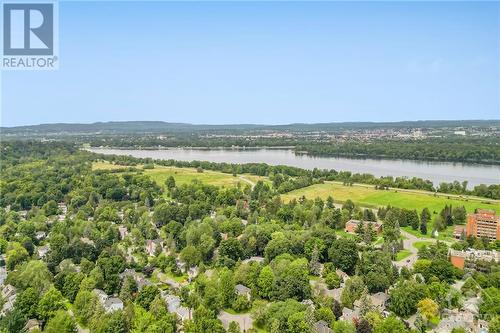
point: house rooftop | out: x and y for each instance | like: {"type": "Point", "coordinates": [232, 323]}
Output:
{"type": "Point", "coordinates": [356, 222]}
{"type": "Point", "coordinates": [349, 315]}
{"type": "Point", "coordinates": [256, 259]}
{"type": "Point", "coordinates": [379, 299]}
{"type": "Point", "coordinates": [472, 254]}
{"type": "Point", "coordinates": [322, 327]}
{"type": "Point", "coordinates": [32, 324]}
{"type": "Point", "coordinates": [456, 320]}
{"type": "Point", "coordinates": [113, 303]}
{"type": "Point", "coordinates": [242, 290]}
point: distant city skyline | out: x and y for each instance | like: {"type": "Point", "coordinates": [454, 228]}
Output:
{"type": "Point", "coordinates": [264, 63]}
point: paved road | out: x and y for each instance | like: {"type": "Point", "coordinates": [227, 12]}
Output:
{"type": "Point", "coordinates": [408, 244]}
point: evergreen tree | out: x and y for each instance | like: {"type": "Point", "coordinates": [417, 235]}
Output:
{"type": "Point", "coordinates": [459, 215]}
{"type": "Point", "coordinates": [364, 327]}
{"type": "Point", "coordinates": [425, 216]}
{"type": "Point", "coordinates": [329, 202]}
{"type": "Point", "coordinates": [360, 229]}
{"type": "Point", "coordinates": [391, 232]}
{"type": "Point", "coordinates": [423, 227]}
{"type": "Point", "coordinates": [370, 234]}
{"type": "Point", "coordinates": [446, 215]}
{"type": "Point", "coordinates": [170, 183]}
{"type": "Point", "coordinates": [413, 219]}
{"type": "Point", "coordinates": [337, 309]}
{"type": "Point", "coordinates": [314, 265]}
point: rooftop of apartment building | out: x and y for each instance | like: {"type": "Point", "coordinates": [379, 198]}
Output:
{"type": "Point", "coordinates": [472, 254]}
{"type": "Point", "coordinates": [486, 214]}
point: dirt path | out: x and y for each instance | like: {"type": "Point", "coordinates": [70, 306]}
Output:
{"type": "Point", "coordinates": [252, 184]}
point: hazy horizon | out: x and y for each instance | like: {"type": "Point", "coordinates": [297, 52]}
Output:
{"type": "Point", "coordinates": [250, 124]}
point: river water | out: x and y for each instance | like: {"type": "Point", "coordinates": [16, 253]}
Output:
{"type": "Point", "coordinates": [436, 172]}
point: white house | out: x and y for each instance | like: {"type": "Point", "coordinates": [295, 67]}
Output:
{"type": "Point", "coordinates": [123, 232]}
{"type": "Point", "coordinates": [40, 235]}
{"type": "Point", "coordinates": [9, 294]}
{"type": "Point", "coordinates": [109, 304]}
{"type": "Point", "coordinates": [152, 245]}
{"type": "Point", "coordinates": [174, 306]}
{"type": "Point", "coordinates": [43, 250]}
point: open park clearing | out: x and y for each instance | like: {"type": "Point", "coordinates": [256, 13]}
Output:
{"type": "Point", "coordinates": [361, 194]}
{"type": "Point", "coordinates": [187, 175]}
{"type": "Point", "coordinates": [368, 196]}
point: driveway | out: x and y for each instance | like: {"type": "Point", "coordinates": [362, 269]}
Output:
{"type": "Point", "coordinates": [244, 320]}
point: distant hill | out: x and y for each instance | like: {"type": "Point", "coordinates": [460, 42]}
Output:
{"type": "Point", "coordinates": [128, 127]}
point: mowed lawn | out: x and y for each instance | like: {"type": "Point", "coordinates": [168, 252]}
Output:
{"type": "Point", "coordinates": [370, 197]}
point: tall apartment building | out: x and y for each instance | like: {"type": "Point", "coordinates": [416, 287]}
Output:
{"type": "Point", "coordinates": [484, 223]}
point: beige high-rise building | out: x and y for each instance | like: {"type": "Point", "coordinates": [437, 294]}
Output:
{"type": "Point", "coordinates": [484, 223]}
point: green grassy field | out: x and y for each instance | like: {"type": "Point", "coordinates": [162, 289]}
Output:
{"type": "Point", "coordinates": [364, 195]}
{"type": "Point", "coordinates": [368, 196]}
{"type": "Point", "coordinates": [187, 175]}
{"type": "Point", "coordinates": [108, 166]}
{"type": "Point", "coordinates": [444, 235]}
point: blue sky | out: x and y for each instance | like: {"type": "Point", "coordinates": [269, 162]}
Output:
{"type": "Point", "coordinates": [265, 62]}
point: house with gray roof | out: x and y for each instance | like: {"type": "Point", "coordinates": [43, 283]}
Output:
{"type": "Point", "coordinates": [174, 306]}
{"type": "Point", "coordinates": [39, 235]}
{"type": "Point", "coordinates": [113, 304]}
{"type": "Point", "coordinates": [349, 315]}
{"type": "Point", "coordinates": [254, 259]}
{"type": "Point", "coordinates": [152, 245]}
{"type": "Point", "coordinates": [33, 325]}
{"type": "Point", "coordinates": [379, 300]}
{"type": "Point", "coordinates": [109, 304]}
{"type": "Point", "coordinates": [43, 250]}
{"type": "Point", "coordinates": [3, 275]}
{"type": "Point", "coordinates": [243, 291]}
{"type": "Point", "coordinates": [455, 319]}
{"type": "Point", "coordinates": [322, 327]}
{"type": "Point", "coordinates": [9, 294]}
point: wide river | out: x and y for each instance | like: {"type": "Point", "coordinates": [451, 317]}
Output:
{"type": "Point", "coordinates": [435, 171]}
